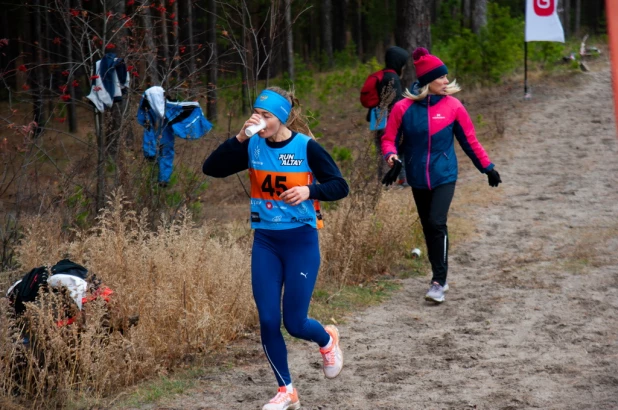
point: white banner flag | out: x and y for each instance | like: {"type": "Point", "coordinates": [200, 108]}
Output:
{"type": "Point", "coordinates": [542, 21]}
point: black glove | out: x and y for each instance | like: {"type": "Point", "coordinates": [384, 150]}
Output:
{"type": "Point", "coordinates": [392, 175]}
{"type": "Point", "coordinates": [493, 178]}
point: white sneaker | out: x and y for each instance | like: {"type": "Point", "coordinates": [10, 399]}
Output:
{"type": "Point", "coordinates": [333, 357]}
{"type": "Point", "coordinates": [283, 400]}
{"type": "Point", "coordinates": [446, 288]}
{"type": "Point", "coordinates": [435, 293]}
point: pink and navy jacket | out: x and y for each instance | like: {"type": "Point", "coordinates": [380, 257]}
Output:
{"type": "Point", "coordinates": [425, 129]}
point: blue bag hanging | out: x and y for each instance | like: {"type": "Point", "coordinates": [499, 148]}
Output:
{"type": "Point", "coordinates": [377, 119]}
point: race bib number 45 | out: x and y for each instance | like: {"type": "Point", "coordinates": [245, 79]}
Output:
{"type": "Point", "coordinates": [269, 185]}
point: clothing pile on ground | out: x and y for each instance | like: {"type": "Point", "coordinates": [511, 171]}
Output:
{"type": "Point", "coordinates": [67, 278]}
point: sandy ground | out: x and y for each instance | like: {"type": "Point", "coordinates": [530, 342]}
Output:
{"type": "Point", "coordinates": [530, 320]}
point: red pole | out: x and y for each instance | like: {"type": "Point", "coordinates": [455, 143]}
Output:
{"type": "Point", "coordinates": [612, 29]}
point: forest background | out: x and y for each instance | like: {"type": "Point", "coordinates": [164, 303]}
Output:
{"type": "Point", "coordinates": [178, 256]}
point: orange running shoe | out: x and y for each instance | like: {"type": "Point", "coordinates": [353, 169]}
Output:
{"type": "Point", "coordinates": [283, 400]}
{"type": "Point", "coordinates": [333, 357]}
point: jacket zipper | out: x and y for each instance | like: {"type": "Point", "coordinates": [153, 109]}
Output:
{"type": "Point", "coordinates": [428, 141]}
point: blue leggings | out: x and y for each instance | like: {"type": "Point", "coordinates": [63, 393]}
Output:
{"type": "Point", "coordinates": [289, 258]}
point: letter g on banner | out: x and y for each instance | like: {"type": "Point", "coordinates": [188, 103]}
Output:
{"type": "Point", "coordinates": [544, 8]}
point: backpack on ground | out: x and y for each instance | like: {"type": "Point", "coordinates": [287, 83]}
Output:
{"type": "Point", "coordinates": [27, 289]}
{"type": "Point", "coordinates": [369, 96]}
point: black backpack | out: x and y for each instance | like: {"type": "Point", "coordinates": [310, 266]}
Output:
{"type": "Point", "coordinates": [28, 288]}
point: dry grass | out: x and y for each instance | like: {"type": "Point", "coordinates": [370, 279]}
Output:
{"type": "Point", "coordinates": [357, 243]}
{"type": "Point", "coordinates": [370, 229]}
{"type": "Point", "coordinates": [190, 288]}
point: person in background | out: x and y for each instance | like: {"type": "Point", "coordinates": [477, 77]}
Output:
{"type": "Point", "coordinates": [390, 91]}
{"type": "Point", "coordinates": [284, 165]}
{"type": "Point", "coordinates": [427, 119]}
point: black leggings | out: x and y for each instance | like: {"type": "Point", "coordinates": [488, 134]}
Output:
{"type": "Point", "coordinates": [432, 206]}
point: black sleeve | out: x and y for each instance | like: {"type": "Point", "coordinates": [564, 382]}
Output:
{"type": "Point", "coordinates": [331, 185]}
{"type": "Point", "coordinates": [229, 158]}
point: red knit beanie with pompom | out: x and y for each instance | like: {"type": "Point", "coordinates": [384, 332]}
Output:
{"type": "Point", "coordinates": [428, 67]}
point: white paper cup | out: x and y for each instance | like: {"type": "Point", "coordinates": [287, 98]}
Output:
{"type": "Point", "coordinates": [416, 253]}
{"type": "Point", "coordinates": [254, 129]}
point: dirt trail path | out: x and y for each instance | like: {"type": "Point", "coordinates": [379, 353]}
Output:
{"type": "Point", "coordinates": [531, 318]}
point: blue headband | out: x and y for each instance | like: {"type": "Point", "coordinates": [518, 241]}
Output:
{"type": "Point", "coordinates": [274, 103]}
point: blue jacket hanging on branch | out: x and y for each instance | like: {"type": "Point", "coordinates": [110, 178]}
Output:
{"type": "Point", "coordinates": [162, 121]}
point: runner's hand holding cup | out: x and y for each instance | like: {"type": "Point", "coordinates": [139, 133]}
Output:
{"type": "Point", "coordinates": [254, 129]}
{"type": "Point", "coordinates": [252, 126]}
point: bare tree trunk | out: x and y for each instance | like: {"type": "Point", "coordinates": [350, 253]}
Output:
{"type": "Point", "coordinates": [211, 23]}
{"type": "Point", "coordinates": [289, 39]}
{"type": "Point", "coordinates": [99, 121]}
{"type": "Point", "coordinates": [479, 16]}
{"type": "Point", "coordinates": [413, 30]}
{"type": "Point", "coordinates": [120, 8]}
{"type": "Point", "coordinates": [151, 52]}
{"type": "Point", "coordinates": [71, 112]}
{"type": "Point", "coordinates": [327, 31]}
{"type": "Point", "coordinates": [165, 46]}
{"type": "Point", "coordinates": [312, 34]}
{"type": "Point", "coordinates": [4, 26]}
{"type": "Point", "coordinates": [176, 36]}
{"type": "Point", "coordinates": [578, 16]}
{"type": "Point", "coordinates": [359, 29]}
{"type": "Point", "coordinates": [466, 12]}
{"type": "Point", "coordinates": [566, 21]}
{"type": "Point", "coordinates": [36, 76]}
{"type": "Point", "coordinates": [269, 52]}
{"type": "Point", "coordinates": [435, 9]}
{"type": "Point", "coordinates": [192, 67]}
{"type": "Point", "coordinates": [340, 28]}
{"type": "Point", "coordinates": [246, 103]}
{"type": "Point", "coordinates": [115, 30]}
{"type": "Point", "coordinates": [386, 40]}
{"type": "Point", "coordinates": [49, 55]}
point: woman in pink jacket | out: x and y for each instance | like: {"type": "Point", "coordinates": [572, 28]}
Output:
{"type": "Point", "coordinates": [426, 122]}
